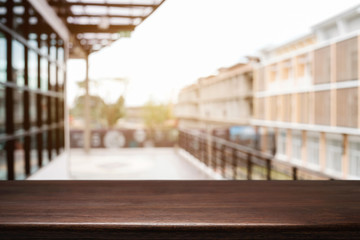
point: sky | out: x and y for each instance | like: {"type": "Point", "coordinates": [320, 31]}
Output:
{"type": "Point", "coordinates": [184, 40]}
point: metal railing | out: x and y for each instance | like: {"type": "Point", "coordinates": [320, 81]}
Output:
{"type": "Point", "coordinates": [235, 161]}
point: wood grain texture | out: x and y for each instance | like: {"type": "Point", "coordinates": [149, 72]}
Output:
{"type": "Point", "coordinates": [180, 210]}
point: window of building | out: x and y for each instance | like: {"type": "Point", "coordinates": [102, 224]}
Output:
{"type": "Point", "coordinates": [281, 144]}
{"type": "Point", "coordinates": [347, 116]}
{"type": "Point", "coordinates": [3, 164]}
{"type": "Point", "coordinates": [296, 146]}
{"type": "Point", "coordinates": [313, 149]}
{"type": "Point", "coordinates": [3, 63]}
{"type": "Point", "coordinates": [32, 110]}
{"type": "Point", "coordinates": [2, 110]}
{"type": "Point", "coordinates": [287, 107]}
{"type": "Point", "coordinates": [44, 74]}
{"type": "Point", "coordinates": [19, 159]}
{"type": "Point", "coordinates": [334, 151]}
{"type": "Point", "coordinates": [33, 154]}
{"type": "Point", "coordinates": [18, 110]}
{"type": "Point", "coordinates": [45, 153]}
{"type": "Point", "coordinates": [18, 62]}
{"type": "Point", "coordinates": [354, 157]}
{"type": "Point", "coordinates": [32, 69]}
{"type": "Point", "coordinates": [286, 70]}
{"type": "Point", "coordinates": [347, 60]}
{"type": "Point", "coordinates": [44, 109]}
{"type": "Point", "coordinates": [322, 107]}
{"type": "Point", "coordinates": [53, 76]}
{"type": "Point", "coordinates": [273, 73]}
{"type": "Point", "coordinates": [53, 46]}
{"type": "Point", "coordinates": [322, 65]}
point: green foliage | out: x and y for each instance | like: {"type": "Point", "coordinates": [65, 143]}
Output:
{"type": "Point", "coordinates": [156, 115]}
{"type": "Point", "coordinates": [100, 111]}
{"type": "Point", "coordinates": [115, 111]}
{"type": "Point", "coordinates": [96, 107]}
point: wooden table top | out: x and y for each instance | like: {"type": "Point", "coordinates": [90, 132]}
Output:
{"type": "Point", "coordinates": [206, 209]}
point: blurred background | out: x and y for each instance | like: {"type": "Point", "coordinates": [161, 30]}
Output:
{"type": "Point", "coordinates": [153, 89]}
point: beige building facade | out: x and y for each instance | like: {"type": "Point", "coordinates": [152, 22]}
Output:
{"type": "Point", "coordinates": [220, 100]}
{"type": "Point", "coordinates": [303, 96]}
{"type": "Point", "coordinates": [306, 93]}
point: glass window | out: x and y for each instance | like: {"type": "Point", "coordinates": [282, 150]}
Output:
{"type": "Point", "coordinates": [44, 109]}
{"type": "Point", "coordinates": [45, 155]}
{"type": "Point", "coordinates": [3, 162]}
{"type": "Point", "coordinates": [2, 110]}
{"type": "Point", "coordinates": [354, 157]}
{"type": "Point", "coordinates": [53, 110]}
{"type": "Point", "coordinates": [52, 76]}
{"type": "Point", "coordinates": [18, 20]}
{"type": "Point", "coordinates": [33, 36]}
{"type": "Point", "coordinates": [61, 53]}
{"type": "Point", "coordinates": [3, 11]}
{"type": "Point", "coordinates": [33, 154]}
{"type": "Point", "coordinates": [32, 110]}
{"type": "Point", "coordinates": [334, 155]}
{"type": "Point", "coordinates": [44, 74]}
{"type": "Point", "coordinates": [53, 47]}
{"type": "Point", "coordinates": [18, 62]}
{"type": "Point", "coordinates": [19, 159]}
{"type": "Point", "coordinates": [296, 147]}
{"type": "Point", "coordinates": [281, 150]}
{"type": "Point", "coordinates": [43, 44]}
{"type": "Point", "coordinates": [2, 58]}
{"type": "Point", "coordinates": [60, 79]}
{"type": "Point", "coordinates": [61, 110]}
{"type": "Point", "coordinates": [53, 149]}
{"type": "Point", "coordinates": [313, 150]}
{"type": "Point", "coordinates": [18, 110]}
{"type": "Point", "coordinates": [33, 69]}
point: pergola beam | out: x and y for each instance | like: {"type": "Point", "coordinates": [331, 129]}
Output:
{"type": "Point", "coordinates": [107, 15]}
{"type": "Point", "coordinates": [92, 28]}
{"type": "Point", "coordinates": [116, 5]}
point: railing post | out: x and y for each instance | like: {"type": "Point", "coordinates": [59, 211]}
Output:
{"type": "Point", "coordinates": [205, 151]}
{"type": "Point", "coordinates": [294, 173]}
{"type": "Point", "coordinates": [214, 156]}
{"type": "Point", "coordinates": [223, 160]}
{"type": "Point", "coordinates": [234, 163]}
{"type": "Point", "coordinates": [268, 169]}
{"type": "Point", "coordinates": [249, 166]}
{"type": "Point", "coordinates": [187, 142]}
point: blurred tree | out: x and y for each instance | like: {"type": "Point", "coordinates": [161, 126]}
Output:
{"type": "Point", "coordinates": [156, 115]}
{"type": "Point", "coordinates": [113, 112]}
{"type": "Point", "coordinates": [97, 105]}
{"type": "Point", "coordinates": [101, 113]}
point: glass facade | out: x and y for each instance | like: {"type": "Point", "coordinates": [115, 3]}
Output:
{"type": "Point", "coordinates": [32, 75]}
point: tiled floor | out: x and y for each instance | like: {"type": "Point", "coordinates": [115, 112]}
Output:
{"type": "Point", "coordinates": [123, 164]}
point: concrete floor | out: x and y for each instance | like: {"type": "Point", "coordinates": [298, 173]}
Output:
{"type": "Point", "coordinates": [122, 164]}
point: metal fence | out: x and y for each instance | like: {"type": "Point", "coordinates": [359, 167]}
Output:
{"type": "Point", "coordinates": [234, 161]}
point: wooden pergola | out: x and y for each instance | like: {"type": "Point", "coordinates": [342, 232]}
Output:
{"type": "Point", "coordinates": [95, 24]}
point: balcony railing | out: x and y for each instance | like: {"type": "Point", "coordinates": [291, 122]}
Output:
{"type": "Point", "coordinates": [235, 161]}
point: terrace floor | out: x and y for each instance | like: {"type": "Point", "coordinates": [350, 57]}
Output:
{"type": "Point", "coordinates": [121, 164]}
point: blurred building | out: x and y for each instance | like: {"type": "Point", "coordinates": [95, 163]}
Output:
{"type": "Point", "coordinates": [221, 100]}
{"type": "Point", "coordinates": [306, 93]}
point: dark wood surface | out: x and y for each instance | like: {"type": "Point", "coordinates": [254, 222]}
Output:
{"type": "Point", "coordinates": [180, 210]}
